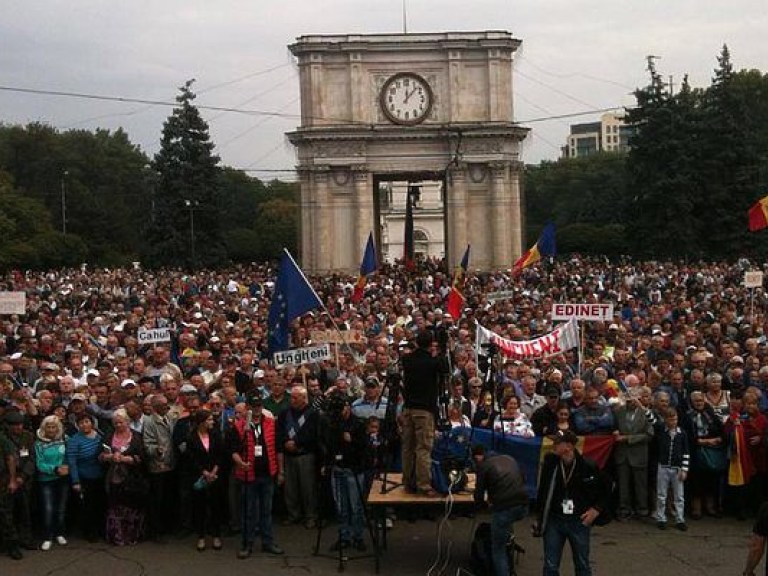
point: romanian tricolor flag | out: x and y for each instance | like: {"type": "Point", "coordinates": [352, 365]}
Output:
{"type": "Point", "coordinates": [740, 468]}
{"type": "Point", "coordinates": [758, 215]}
{"type": "Point", "coordinates": [456, 297]}
{"type": "Point", "coordinates": [367, 266]}
{"type": "Point", "coordinates": [530, 452]}
{"type": "Point", "coordinates": [545, 246]}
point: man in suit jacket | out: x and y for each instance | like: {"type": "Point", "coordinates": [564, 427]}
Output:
{"type": "Point", "coordinates": [633, 434]}
{"type": "Point", "coordinates": [161, 465]}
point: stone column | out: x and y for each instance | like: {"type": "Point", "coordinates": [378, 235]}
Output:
{"type": "Point", "coordinates": [501, 214]}
{"type": "Point", "coordinates": [307, 233]}
{"type": "Point", "coordinates": [364, 206]}
{"type": "Point", "coordinates": [456, 212]}
{"type": "Point", "coordinates": [321, 210]}
{"type": "Point", "coordinates": [516, 211]}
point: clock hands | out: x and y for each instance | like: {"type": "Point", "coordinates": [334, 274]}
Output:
{"type": "Point", "coordinates": [408, 95]}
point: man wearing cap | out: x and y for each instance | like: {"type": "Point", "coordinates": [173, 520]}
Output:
{"type": "Point", "coordinates": [571, 495]}
{"type": "Point", "coordinates": [23, 442]}
{"type": "Point", "coordinates": [344, 449]}
{"type": "Point", "coordinates": [252, 445]}
{"type": "Point", "coordinates": [372, 403]}
{"type": "Point", "coordinates": [500, 476]}
{"type": "Point", "coordinates": [544, 419]}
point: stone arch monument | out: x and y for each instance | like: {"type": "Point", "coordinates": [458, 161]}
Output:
{"type": "Point", "coordinates": [412, 107]}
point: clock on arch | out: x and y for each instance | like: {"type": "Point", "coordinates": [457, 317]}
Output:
{"type": "Point", "coordinates": [406, 98]}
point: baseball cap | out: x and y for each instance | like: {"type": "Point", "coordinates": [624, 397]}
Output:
{"type": "Point", "coordinates": [566, 436]}
{"type": "Point", "coordinates": [92, 372]}
{"type": "Point", "coordinates": [256, 399]}
{"type": "Point", "coordinates": [78, 397]}
{"type": "Point", "coordinates": [128, 382]}
{"type": "Point", "coordinates": [552, 392]}
{"type": "Point", "coordinates": [188, 389]}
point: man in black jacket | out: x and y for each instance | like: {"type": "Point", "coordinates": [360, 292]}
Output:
{"type": "Point", "coordinates": [297, 448]}
{"type": "Point", "coordinates": [422, 372]}
{"type": "Point", "coordinates": [570, 497]}
{"type": "Point", "coordinates": [344, 448]}
{"type": "Point", "coordinates": [500, 476]}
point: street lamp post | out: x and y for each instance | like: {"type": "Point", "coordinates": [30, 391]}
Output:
{"type": "Point", "coordinates": [191, 206]}
{"type": "Point", "coordinates": [64, 202]}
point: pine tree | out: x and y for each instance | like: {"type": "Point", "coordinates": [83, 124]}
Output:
{"type": "Point", "coordinates": [730, 163]}
{"type": "Point", "coordinates": [661, 171]}
{"type": "Point", "coordinates": [185, 229]}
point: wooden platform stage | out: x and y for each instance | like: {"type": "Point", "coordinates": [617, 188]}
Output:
{"type": "Point", "coordinates": [395, 495]}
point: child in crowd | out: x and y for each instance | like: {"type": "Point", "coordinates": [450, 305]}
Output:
{"type": "Point", "coordinates": [674, 458]}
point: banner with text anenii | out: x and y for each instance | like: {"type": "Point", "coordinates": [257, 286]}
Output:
{"type": "Point", "coordinates": [562, 338]}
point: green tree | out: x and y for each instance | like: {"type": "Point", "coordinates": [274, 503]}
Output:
{"type": "Point", "coordinates": [187, 227]}
{"type": "Point", "coordinates": [662, 169]}
{"type": "Point", "coordinates": [730, 164]}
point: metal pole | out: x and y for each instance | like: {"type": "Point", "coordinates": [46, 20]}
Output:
{"type": "Point", "coordinates": [64, 202]}
{"type": "Point", "coordinates": [192, 230]}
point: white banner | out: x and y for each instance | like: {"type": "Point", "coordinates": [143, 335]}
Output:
{"type": "Point", "coordinates": [13, 302]}
{"type": "Point", "coordinates": [302, 356]}
{"type": "Point", "coordinates": [562, 338]}
{"type": "Point", "coordinates": [594, 312]}
{"type": "Point", "coordinates": [153, 335]}
{"type": "Point", "coordinates": [501, 295]}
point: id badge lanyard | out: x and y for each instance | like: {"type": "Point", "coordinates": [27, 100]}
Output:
{"type": "Point", "coordinates": [567, 503]}
{"type": "Point", "coordinates": [258, 449]}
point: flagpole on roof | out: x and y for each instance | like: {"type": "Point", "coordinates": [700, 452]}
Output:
{"type": "Point", "coordinates": [322, 304]}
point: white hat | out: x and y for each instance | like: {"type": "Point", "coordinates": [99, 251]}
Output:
{"type": "Point", "coordinates": [92, 372]}
{"type": "Point", "coordinates": [127, 382]}
{"type": "Point", "coordinates": [188, 389]}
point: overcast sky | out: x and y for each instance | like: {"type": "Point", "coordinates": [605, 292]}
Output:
{"type": "Point", "coordinates": [577, 55]}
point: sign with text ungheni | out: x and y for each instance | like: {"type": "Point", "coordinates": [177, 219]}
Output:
{"type": "Point", "coordinates": [153, 335]}
{"type": "Point", "coordinates": [594, 312]}
{"type": "Point", "coordinates": [302, 356]}
{"type": "Point", "coordinates": [13, 302]}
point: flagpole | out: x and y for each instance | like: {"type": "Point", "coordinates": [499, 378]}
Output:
{"type": "Point", "coordinates": [322, 304]}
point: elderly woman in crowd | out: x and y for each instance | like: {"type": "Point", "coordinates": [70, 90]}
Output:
{"type": "Point", "coordinates": [52, 479]}
{"type": "Point", "coordinates": [127, 485]}
{"type": "Point", "coordinates": [716, 397]}
{"type": "Point", "coordinates": [708, 452]}
{"type": "Point", "coordinates": [87, 475]}
{"type": "Point", "coordinates": [512, 421]}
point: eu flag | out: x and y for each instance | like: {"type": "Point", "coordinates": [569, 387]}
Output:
{"type": "Point", "coordinates": [292, 297]}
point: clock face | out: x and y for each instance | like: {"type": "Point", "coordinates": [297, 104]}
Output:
{"type": "Point", "coordinates": [406, 98]}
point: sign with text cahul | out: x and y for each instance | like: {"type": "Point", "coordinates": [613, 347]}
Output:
{"type": "Point", "coordinates": [753, 279]}
{"type": "Point", "coordinates": [594, 312]}
{"type": "Point", "coordinates": [153, 335]}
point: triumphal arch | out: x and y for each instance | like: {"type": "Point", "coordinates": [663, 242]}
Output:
{"type": "Point", "coordinates": [408, 107]}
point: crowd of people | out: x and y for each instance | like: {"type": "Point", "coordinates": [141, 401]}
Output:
{"type": "Point", "coordinates": [204, 434]}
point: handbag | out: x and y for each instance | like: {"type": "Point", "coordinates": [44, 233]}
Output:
{"type": "Point", "coordinates": [713, 458]}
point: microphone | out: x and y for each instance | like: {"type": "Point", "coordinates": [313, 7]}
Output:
{"type": "Point", "coordinates": [249, 419]}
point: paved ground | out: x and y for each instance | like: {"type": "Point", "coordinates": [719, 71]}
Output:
{"type": "Point", "coordinates": [629, 549]}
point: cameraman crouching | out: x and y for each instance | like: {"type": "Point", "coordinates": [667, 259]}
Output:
{"type": "Point", "coordinates": [500, 476]}
{"type": "Point", "coordinates": [344, 447]}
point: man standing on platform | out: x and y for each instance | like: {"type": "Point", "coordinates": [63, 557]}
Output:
{"type": "Point", "coordinates": [422, 374]}
{"type": "Point", "coordinates": [500, 476]}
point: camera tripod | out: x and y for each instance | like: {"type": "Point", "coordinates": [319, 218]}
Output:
{"type": "Point", "coordinates": [328, 485]}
